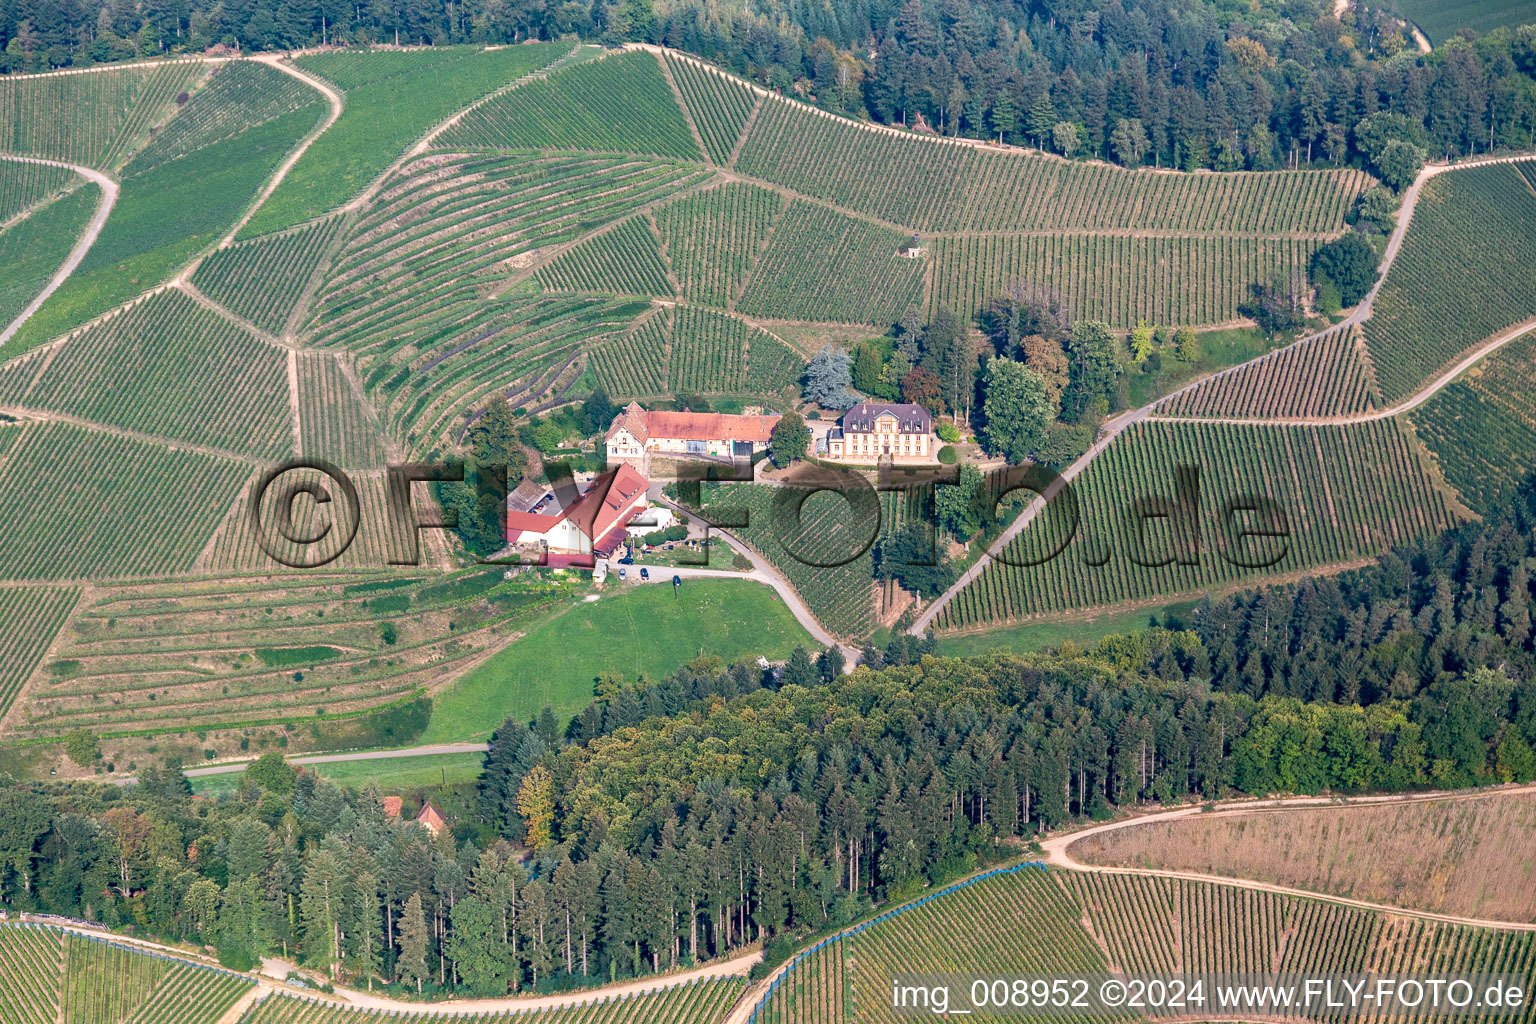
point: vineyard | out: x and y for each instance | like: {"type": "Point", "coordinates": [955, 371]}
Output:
{"type": "Point", "coordinates": [1345, 493]}
{"type": "Point", "coordinates": [1078, 923]}
{"type": "Point", "coordinates": [1482, 427]}
{"type": "Point", "coordinates": [720, 105]}
{"type": "Point", "coordinates": [78, 503]}
{"type": "Point", "coordinates": [29, 619]}
{"type": "Point", "coordinates": [825, 265]}
{"type": "Point", "coordinates": [134, 370]}
{"type": "Point", "coordinates": [704, 1002]}
{"type": "Point", "coordinates": [99, 119]}
{"type": "Point", "coordinates": [622, 261]}
{"type": "Point", "coordinates": [714, 238]}
{"type": "Point", "coordinates": [263, 279]}
{"type": "Point", "coordinates": [164, 216]}
{"type": "Point", "coordinates": [25, 185]}
{"type": "Point", "coordinates": [32, 249]}
{"type": "Point", "coordinates": [237, 95]}
{"type": "Point", "coordinates": [334, 423]}
{"type": "Point", "coordinates": [635, 364]}
{"type": "Point", "coordinates": [936, 186]}
{"type": "Point", "coordinates": [392, 99]}
{"type": "Point", "coordinates": [618, 104]}
{"type": "Point", "coordinates": [54, 977]}
{"type": "Point", "coordinates": [1329, 375]}
{"type": "Point", "coordinates": [1463, 273]}
{"type": "Point", "coordinates": [271, 649]}
{"type": "Point", "coordinates": [1119, 279]}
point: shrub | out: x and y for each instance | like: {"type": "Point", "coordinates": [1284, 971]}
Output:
{"type": "Point", "coordinates": [947, 432]}
{"type": "Point", "coordinates": [82, 747]}
{"type": "Point", "coordinates": [948, 456]}
{"type": "Point", "coordinates": [1063, 444]}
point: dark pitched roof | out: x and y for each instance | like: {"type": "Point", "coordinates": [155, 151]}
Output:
{"type": "Point", "coordinates": [910, 419]}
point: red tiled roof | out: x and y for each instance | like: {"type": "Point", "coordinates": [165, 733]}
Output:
{"type": "Point", "coordinates": [430, 817]}
{"type": "Point", "coordinates": [692, 426]}
{"type": "Point", "coordinates": [607, 501]}
{"type": "Point", "coordinates": [391, 805]}
{"type": "Point", "coordinates": [531, 522]}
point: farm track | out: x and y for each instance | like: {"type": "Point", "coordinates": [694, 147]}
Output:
{"type": "Point", "coordinates": [77, 254]}
{"type": "Point", "coordinates": [1057, 857]}
{"type": "Point", "coordinates": [1362, 312]}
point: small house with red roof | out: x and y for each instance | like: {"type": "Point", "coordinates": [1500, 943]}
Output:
{"type": "Point", "coordinates": [592, 525]}
{"type": "Point", "coordinates": [431, 819]}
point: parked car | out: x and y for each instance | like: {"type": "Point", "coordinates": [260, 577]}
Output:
{"type": "Point", "coordinates": [626, 560]}
{"type": "Point", "coordinates": [677, 581]}
{"type": "Point", "coordinates": [623, 573]}
{"type": "Point", "coordinates": [645, 573]}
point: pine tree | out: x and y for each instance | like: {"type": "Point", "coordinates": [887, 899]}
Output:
{"type": "Point", "coordinates": [411, 965]}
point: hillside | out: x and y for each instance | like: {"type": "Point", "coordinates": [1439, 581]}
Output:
{"type": "Point", "coordinates": [1464, 857]}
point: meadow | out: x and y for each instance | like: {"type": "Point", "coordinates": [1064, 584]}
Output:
{"type": "Point", "coordinates": [1465, 857]}
{"type": "Point", "coordinates": [642, 630]}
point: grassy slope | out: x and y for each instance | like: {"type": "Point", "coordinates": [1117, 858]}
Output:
{"type": "Point", "coordinates": [32, 250]}
{"type": "Point", "coordinates": [639, 630]}
{"type": "Point", "coordinates": [163, 217]}
{"type": "Point", "coordinates": [382, 118]}
{"type": "Point", "coordinates": [392, 774]}
{"type": "Point", "coordinates": [1465, 857]}
{"type": "Point", "coordinates": [1037, 636]}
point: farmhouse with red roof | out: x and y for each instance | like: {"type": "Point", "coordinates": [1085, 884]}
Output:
{"type": "Point", "coordinates": [636, 433]}
{"type": "Point", "coordinates": [591, 525]}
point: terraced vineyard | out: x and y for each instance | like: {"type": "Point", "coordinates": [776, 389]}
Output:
{"type": "Point", "coordinates": [824, 265]}
{"type": "Point", "coordinates": [1345, 493]}
{"type": "Point", "coordinates": [25, 185]}
{"type": "Point", "coordinates": [52, 976]}
{"type": "Point", "coordinates": [30, 617]}
{"type": "Point", "coordinates": [85, 504]}
{"type": "Point", "coordinates": [131, 371]}
{"type": "Point", "coordinates": [263, 279]}
{"type": "Point", "coordinates": [623, 261]}
{"type": "Point", "coordinates": [1138, 925]}
{"type": "Point", "coordinates": [1326, 376]}
{"type": "Point", "coordinates": [98, 119]}
{"type": "Point", "coordinates": [1119, 279]}
{"type": "Point", "coordinates": [714, 238]}
{"type": "Point", "coordinates": [703, 1002]}
{"type": "Point", "coordinates": [1482, 427]}
{"type": "Point", "coordinates": [619, 104]}
{"type": "Point", "coordinates": [720, 105]}
{"type": "Point", "coordinates": [935, 186]}
{"type": "Point", "coordinates": [262, 649]}
{"type": "Point", "coordinates": [1464, 272]}
{"type": "Point", "coordinates": [635, 364]}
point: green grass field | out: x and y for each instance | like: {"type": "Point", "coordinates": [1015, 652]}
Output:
{"type": "Point", "coordinates": [391, 773]}
{"type": "Point", "coordinates": [638, 630]}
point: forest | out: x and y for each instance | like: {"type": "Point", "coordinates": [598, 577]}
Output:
{"type": "Point", "coordinates": [683, 818]}
{"type": "Point", "coordinates": [1141, 82]}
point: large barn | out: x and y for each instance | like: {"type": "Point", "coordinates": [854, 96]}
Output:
{"type": "Point", "coordinates": [592, 525]}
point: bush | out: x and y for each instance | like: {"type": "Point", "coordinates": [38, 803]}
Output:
{"type": "Point", "coordinates": [948, 456]}
{"type": "Point", "coordinates": [82, 747]}
{"type": "Point", "coordinates": [1348, 263]}
{"type": "Point", "coordinates": [1063, 444]}
{"type": "Point", "coordinates": [947, 432]}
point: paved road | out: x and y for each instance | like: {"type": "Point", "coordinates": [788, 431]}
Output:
{"type": "Point", "coordinates": [87, 239]}
{"type": "Point", "coordinates": [1058, 849]}
{"type": "Point", "coordinates": [763, 571]}
{"type": "Point", "coordinates": [1359, 314]}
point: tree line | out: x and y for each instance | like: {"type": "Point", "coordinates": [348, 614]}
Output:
{"type": "Point", "coordinates": [688, 817]}
{"type": "Point", "coordinates": [1141, 82]}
